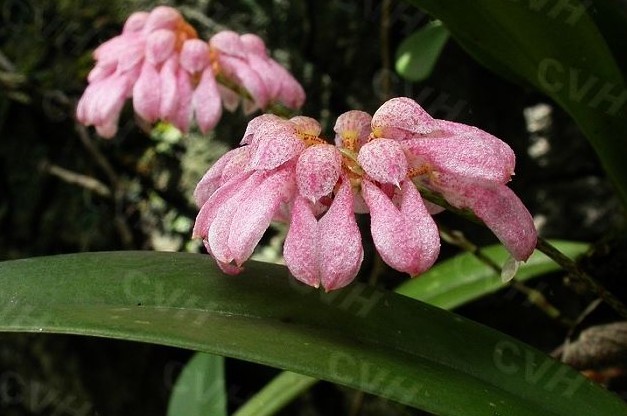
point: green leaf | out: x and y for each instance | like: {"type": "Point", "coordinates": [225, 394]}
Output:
{"type": "Point", "coordinates": [464, 278]}
{"type": "Point", "coordinates": [417, 55]}
{"type": "Point", "coordinates": [557, 48]}
{"type": "Point", "coordinates": [200, 389]}
{"type": "Point", "coordinates": [276, 394]}
{"type": "Point", "coordinates": [379, 342]}
{"type": "Point", "coordinates": [448, 284]}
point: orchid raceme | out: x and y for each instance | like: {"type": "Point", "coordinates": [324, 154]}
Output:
{"type": "Point", "coordinates": [174, 76]}
{"type": "Point", "coordinates": [285, 171]}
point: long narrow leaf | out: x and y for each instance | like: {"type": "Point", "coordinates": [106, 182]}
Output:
{"type": "Point", "coordinates": [200, 389]}
{"type": "Point", "coordinates": [378, 342]}
{"type": "Point", "coordinates": [276, 394]}
{"type": "Point", "coordinates": [448, 284]}
{"type": "Point", "coordinates": [463, 278]}
{"type": "Point", "coordinates": [417, 55]}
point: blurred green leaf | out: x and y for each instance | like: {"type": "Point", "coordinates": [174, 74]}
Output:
{"type": "Point", "coordinates": [276, 394]}
{"type": "Point", "coordinates": [200, 388]}
{"type": "Point", "coordinates": [417, 55]}
{"type": "Point", "coordinates": [379, 342]}
{"type": "Point", "coordinates": [557, 48]}
{"type": "Point", "coordinates": [464, 278]}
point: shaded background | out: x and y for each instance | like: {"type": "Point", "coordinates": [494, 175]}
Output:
{"type": "Point", "coordinates": [64, 190]}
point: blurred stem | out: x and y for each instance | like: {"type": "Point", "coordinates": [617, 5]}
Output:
{"type": "Point", "coordinates": [357, 403]}
{"type": "Point", "coordinates": [535, 297]}
{"type": "Point", "coordinates": [74, 178]}
{"type": "Point", "coordinates": [276, 394]}
{"type": "Point", "coordinates": [126, 236]}
{"type": "Point", "coordinates": [572, 267]}
{"type": "Point", "coordinates": [545, 247]}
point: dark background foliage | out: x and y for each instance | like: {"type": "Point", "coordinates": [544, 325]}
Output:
{"type": "Point", "coordinates": [64, 190]}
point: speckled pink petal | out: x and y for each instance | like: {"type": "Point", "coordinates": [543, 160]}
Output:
{"type": "Point", "coordinates": [401, 118]}
{"type": "Point", "coordinates": [101, 71]}
{"type": "Point", "coordinates": [108, 129]}
{"type": "Point", "coordinates": [228, 42]}
{"type": "Point", "coordinates": [300, 249]}
{"type": "Point", "coordinates": [135, 22]}
{"type": "Point", "coordinates": [160, 46]}
{"type": "Point", "coordinates": [498, 207]}
{"type": "Point", "coordinates": [318, 170]}
{"type": "Point", "coordinates": [206, 101]}
{"type": "Point", "coordinates": [194, 55]}
{"type": "Point", "coordinates": [253, 216]}
{"type": "Point", "coordinates": [256, 123]}
{"type": "Point", "coordinates": [211, 202]}
{"type": "Point", "coordinates": [218, 234]}
{"type": "Point", "coordinates": [147, 93]}
{"type": "Point", "coordinates": [168, 82]}
{"type": "Point", "coordinates": [162, 17]}
{"type": "Point", "coordinates": [275, 144]}
{"type": "Point", "coordinates": [407, 238]}
{"type": "Point", "coordinates": [230, 99]}
{"type": "Point", "coordinates": [253, 44]}
{"type": "Point", "coordinates": [266, 71]}
{"type": "Point", "coordinates": [384, 161]}
{"type": "Point", "coordinates": [432, 208]}
{"type": "Point", "coordinates": [131, 54]}
{"type": "Point", "coordinates": [353, 125]}
{"type": "Point", "coordinates": [102, 101]}
{"type": "Point", "coordinates": [328, 251]}
{"type": "Point", "coordinates": [253, 83]}
{"type": "Point", "coordinates": [212, 179]}
{"type": "Point", "coordinates": [249, 106]}
{"type": "Point", "coordinates": [307, 125]}
{"type": "Point", "coordinates": [290, 93]}
{"type": "Point", "coordinates": [237, 164]}
{"type": "Point", "coordinates": [229, 268]}
{"type": "Point", "coordinates": [108, 51]}
{"type": "Point", "coordinates": [359, 204]}
{"type": "Point", "coordinates": [126, 51]}
{"type": "Point", "coordinates": [340, 250]}
{"type": "Point", "coordinates": [464, 151]}
{"type": "Point", "coordinates": [184, 109]}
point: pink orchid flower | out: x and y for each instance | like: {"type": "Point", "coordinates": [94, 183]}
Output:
{"type": "Point", "coordinates": [464, 164]}
{"type": "Point", "coordinates": [249, 187]}
{"type": "Point", "coordinates": [402, 230]}
{"type": "Point", "coordinates": [243, 59]}
{"type": "Point", "coordinates": [327, 251]}
{"type": "Point", "coordinates": [171, 75]}
{"type": "Point", "coordinates": [284, 171]}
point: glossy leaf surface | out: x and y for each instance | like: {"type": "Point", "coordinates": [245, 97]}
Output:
{"type": "Point", "coordinates": [378, 342]}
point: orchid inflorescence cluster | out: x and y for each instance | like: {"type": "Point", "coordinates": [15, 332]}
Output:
{"type": "Point", "coordinates": [174, 76]}
{"type": "Point", "coordinates": [286, 171]}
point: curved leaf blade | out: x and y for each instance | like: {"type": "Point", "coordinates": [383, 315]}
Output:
{"type": "Point", "coordinates": [463, 278]}
{"type": "Point", "coordinates": [200, 389]}
{"type": "Point", "coordinates": [276, 394]}
{"type": "Point", "coordinates": [447, 285]}
{"type": "Point", "coordinates": [378, 342]}
{"type": "Point", "coordinates": [417, 55]}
